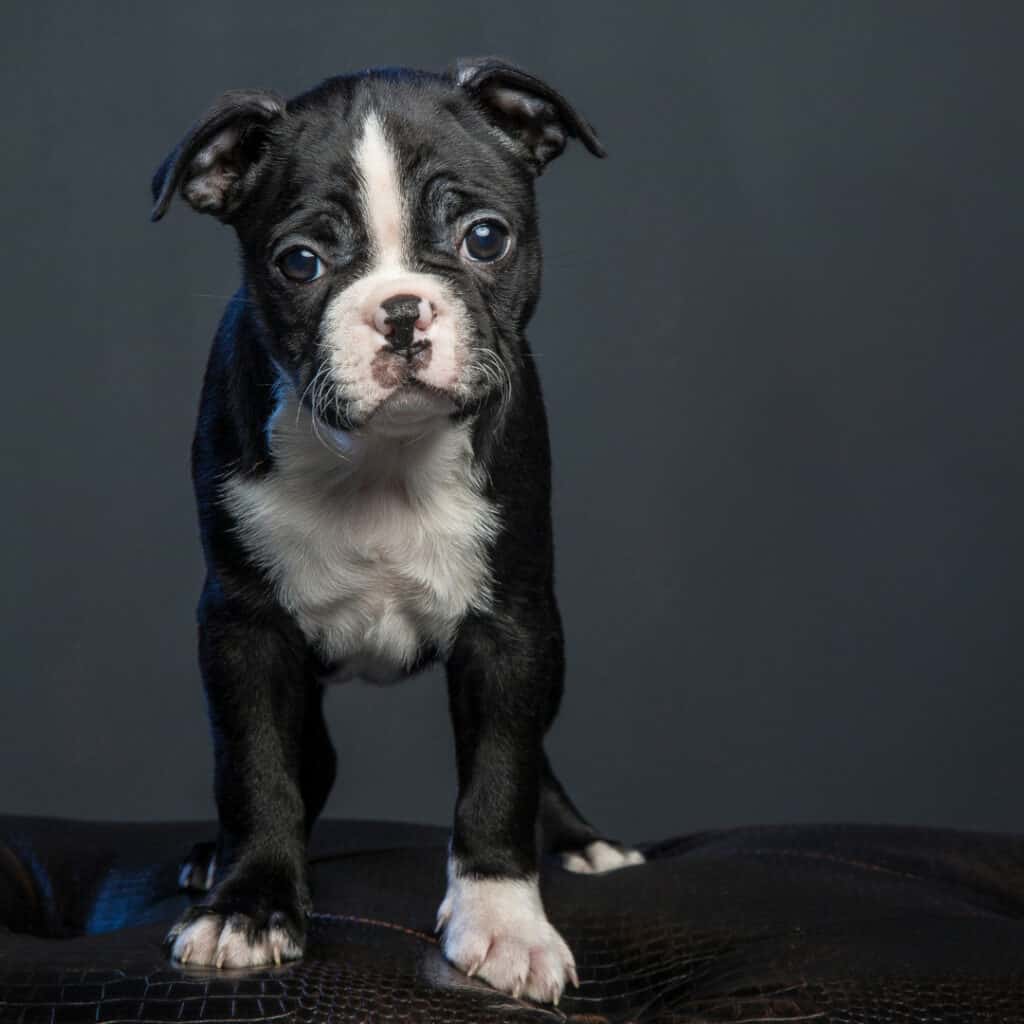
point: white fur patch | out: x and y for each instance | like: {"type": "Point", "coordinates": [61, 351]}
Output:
{"type": "Point", "coordinates": [376, 544]}
{"type": "Point", "coordinates": [213, 941]}
{"type": "Point", "coordinates": [496, 929]}
{"type": "Point", "coordinates": [598, 857]}
{"type": "Point", "coordinates": [382, 198]}
{"type": "Point", "coordinates": [349, 333]}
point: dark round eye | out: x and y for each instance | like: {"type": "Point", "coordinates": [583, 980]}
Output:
{"type": "Point", "coordinates": [486, 241]}
{"type": "Point", "coordinates": [300, 264]}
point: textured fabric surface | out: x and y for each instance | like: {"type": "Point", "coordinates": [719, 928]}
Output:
{"type": "Point", "coordinates": [831, 923]}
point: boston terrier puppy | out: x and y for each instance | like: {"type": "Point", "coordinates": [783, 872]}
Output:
{"type": "Point", "coordinates": [371, 467]}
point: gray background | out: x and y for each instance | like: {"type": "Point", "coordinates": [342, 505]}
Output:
{"type": "Point", "coordinates": [786, 428]}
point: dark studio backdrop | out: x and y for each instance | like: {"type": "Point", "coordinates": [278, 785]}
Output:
{"type": "Point", "coordinates": [780, 340]}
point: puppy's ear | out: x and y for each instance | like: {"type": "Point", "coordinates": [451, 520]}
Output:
{"type": "Point", "coordinates": [537, 119]}
{"type": "Point", "coordinates": [215, 163]}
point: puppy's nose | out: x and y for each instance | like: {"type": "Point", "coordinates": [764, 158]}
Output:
{"type": "Point", "coordinates": [400, 316]}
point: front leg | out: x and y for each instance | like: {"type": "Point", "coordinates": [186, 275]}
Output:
{"type": "Point", "coordinates": [499, 674]}
{"type": "Point", "coordinates": [255, 671]}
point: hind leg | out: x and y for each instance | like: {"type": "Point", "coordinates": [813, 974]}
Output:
{"type": "Point", "coordinates": [567, 834]}
{"type": "Point", "coordinates": [563, 831]}
{"type": "Point", "coordinates": [199, 868]}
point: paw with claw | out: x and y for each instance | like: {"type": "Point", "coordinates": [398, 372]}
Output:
{"type": "Point", "coordinates": [496, 930]}
{"type": "Point", "coordinates": [254, 918]}
{"type": "Point", "coordinates": [207, 938]}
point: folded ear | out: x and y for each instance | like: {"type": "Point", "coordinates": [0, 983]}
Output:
{"type": "Point", "coordinates": [537, 119]}
{"type": "Point", "coordinates": [215, 164]}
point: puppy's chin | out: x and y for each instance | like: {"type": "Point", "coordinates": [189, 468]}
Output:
{"type": "Point", "coordinates": [409, 411]}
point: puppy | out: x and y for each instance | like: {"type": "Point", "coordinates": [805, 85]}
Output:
{"type": "Point", "coordinates": [371, 467]}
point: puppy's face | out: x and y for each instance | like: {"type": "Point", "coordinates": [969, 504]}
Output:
{"type": "Point", "coordinates": [388, 232]}
{"type": "Point", "coordinates": [393, 250]}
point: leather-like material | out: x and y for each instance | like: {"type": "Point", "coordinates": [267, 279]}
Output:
{"type": "Point", "coordinates": [851, 924]}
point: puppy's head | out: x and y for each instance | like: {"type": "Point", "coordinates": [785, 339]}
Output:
{"type": "Point", "coordinates": [388, 230]}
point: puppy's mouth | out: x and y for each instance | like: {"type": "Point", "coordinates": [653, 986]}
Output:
{"type": "Point", "coordinates": [401, 388]}
{"type": "Point", "coordinates": [412, 407]}
{"type": "Point", "coordinates": [393, 368]}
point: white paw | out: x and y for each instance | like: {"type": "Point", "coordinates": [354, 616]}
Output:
{"type": "Point", "coordinates": [215, 941]}
{"type": "Point", "coordinates": [496, 930]}
{"type": "Point", "coordinates": [599, 856]}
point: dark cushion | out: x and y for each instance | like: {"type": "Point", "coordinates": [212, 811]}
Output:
{"type": "Point", "coordinates": [830, 923]}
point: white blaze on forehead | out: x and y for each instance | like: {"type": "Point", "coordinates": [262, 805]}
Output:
{"type": "Point", "coordinates": [349, 329]}
{"type": "Point", "coordinates": [382, 196]}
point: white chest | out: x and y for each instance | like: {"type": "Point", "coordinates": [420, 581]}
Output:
{"type": "Point", "coordinates": [377, 551]}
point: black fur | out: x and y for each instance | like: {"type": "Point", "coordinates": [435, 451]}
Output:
{"type": "Point", "coordinates": [285, 174]}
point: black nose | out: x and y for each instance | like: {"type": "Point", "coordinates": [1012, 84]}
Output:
{"type": "Point", "coordinates": [401, 313]}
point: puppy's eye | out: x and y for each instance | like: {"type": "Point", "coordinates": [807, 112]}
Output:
{"type": "Point", "coordinates": [486, 241]}
{"type": "Point", "coordinates": [300, 264]}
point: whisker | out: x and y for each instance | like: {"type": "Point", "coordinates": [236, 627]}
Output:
{"type": "Point", "coordinates": [325, 391]}
{"type": "Point", "coordinates": [305, 391]}
{"type": "Point", "coordinates": [494, 371]}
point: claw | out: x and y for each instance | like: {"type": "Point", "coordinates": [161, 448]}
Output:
{"type": "Point", "coordinates": [277, 955]}
{"type": "Point", "coordinates": [474, 967]}
{"type": "Point", "coordinates": [573, 976]}
{"type": "Point", "coordinates": [221, 957]}
{"type": "Point", "coordinates": [186, 953]}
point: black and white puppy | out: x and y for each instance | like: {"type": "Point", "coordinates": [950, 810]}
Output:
{"type": "Point", "coordinates": [371, 467]}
